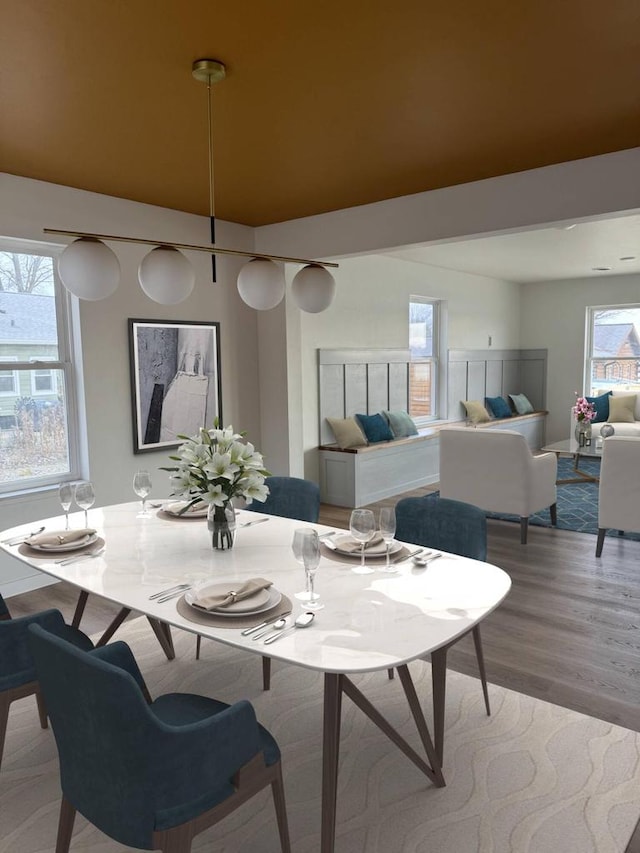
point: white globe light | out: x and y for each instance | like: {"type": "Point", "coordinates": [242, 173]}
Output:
{"type": "Point", "coordinates": [89, 269]}
{"type": "Point", "coordinates": [166, 276]}
{"type": "Point", "coordinates": [313, 288]}
{"type": "Point", "coordinates": [261, 284]}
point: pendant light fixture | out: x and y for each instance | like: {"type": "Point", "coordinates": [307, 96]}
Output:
{"type": "Point", "coordinates": [90, 269]}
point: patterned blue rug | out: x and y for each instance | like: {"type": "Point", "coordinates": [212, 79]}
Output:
{"type": "Point", "coordinates": [577, 502]}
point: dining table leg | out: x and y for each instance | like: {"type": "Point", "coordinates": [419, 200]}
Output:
{"type": "Point", "coordinates": [82, 603]}
{"type": "Point", "coordinates": [330, 753]}
{"type": "Point", "coordinates": [438, 687]}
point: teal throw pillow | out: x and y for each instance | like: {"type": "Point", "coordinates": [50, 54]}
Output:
{"type": "Point", "coordinates": [521, 404]}
{"type": "Point", "coordinates": [401, 423]}
{"type": "Point", "coordinates": [375, 428]}
{"type": "Point", "coordinates": [498, 407]}
{"type": "Point", "coordinates": [601, 407]}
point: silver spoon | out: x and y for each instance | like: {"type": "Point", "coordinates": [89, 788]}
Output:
{"type": "Point", "coordinates": [303, 621]}
{"type": "Point", "coordinates": [278, 625]}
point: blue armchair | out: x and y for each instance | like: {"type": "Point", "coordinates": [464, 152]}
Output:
{"type": "Point", "coordinates": [17, 672]}
{"type": "Point", "coordinates": [150, 775]}
{"type": "Point", "coordinates": [289, 497]}
{"type": "Point", "coordinates": [458, 528]}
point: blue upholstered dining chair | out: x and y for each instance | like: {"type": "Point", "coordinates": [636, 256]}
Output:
{"type": "Point", "coordinates": [17, 672]}
{"type": "Point", "coordinates": [149, 774]}
{"type": "Point", "coordinates": [289, 497]}
{"type": "Point", "coordinates": [459, 528]}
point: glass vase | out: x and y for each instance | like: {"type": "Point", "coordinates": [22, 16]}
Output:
{"type": "Point", "coordinates": [583, 433]}
{"type": "Point", "coordinates": [221, 521]}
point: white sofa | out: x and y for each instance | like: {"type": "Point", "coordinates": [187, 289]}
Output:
{"type": "Point", "coordinates": [630, 429]}
{"type": "Point", "coordinates": [497, 471]}
{"type": "Point", "coordinates": [619, 489]}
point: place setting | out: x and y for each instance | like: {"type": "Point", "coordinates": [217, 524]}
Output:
{"type": "Point", "coordinates": [367, 543]}
{"type": "Point", "coordinates": [75, 542]}
{"type": "Point", "coordinates": [231, 603]}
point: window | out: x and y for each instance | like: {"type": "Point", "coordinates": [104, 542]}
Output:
{"type": "Point", "coordinates": [613, 348]}
{"type": "Point", "coordinates": [8, 378]}
{"type": "Point", "coordinates": [43, 380]}
{"type": "Point", "coordinates": [425, 340]}
{"type": "Point", "coordinates": [38, 423]}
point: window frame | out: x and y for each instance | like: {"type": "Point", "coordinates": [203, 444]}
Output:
{"type": "Point", "coordinates": [437, 360]}
{"type": "Point", "coordinates": [591, 360]}
{"type": "Point", "coordinates": [65, 363]}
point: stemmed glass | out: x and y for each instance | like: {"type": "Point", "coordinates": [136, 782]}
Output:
{"type": "Point", "coordinates": [311, 559]}
{"type": "Point", "coordinates": [387, 523]}
{"type": "Point", "coordinates": [300, 536]}
{"type": "Point", "coordinates": [362, 526]}
{"type": "Point", "coordinates": [142, 488]}
{"type": "Point", "coordinates": [65, 496]}
{"type": "Point", "coordinates": [85, 498]}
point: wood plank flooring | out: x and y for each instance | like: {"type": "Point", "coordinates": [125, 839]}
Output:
{"type": "Point", "coordinates": [568, 632]}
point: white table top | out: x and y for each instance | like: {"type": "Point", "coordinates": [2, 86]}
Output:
{"type": "Point", "coordinates": [369, 622]}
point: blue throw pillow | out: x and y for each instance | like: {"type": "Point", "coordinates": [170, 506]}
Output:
{"type": "Point", "coordinates": [498, 407]}
{"type": "Point", "coordinates": [601, 406]}
{"type": "Point", "coordinates": [375, 427]}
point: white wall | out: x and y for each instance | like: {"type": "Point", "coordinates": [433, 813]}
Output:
{"type": "Point", "coordinates": [28, 207]}
{"type": "Point", "coordinates": [371, 309]}
{"type": "Point", "coordinates": [553, 316]}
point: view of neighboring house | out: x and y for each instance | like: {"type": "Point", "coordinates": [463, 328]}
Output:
{"type": "Point", "coordinates": [27, 334]}
{"type": "Point", "coordinates": [616, 346]}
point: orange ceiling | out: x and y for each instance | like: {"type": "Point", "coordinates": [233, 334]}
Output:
{"type": "Point", "coordinates": [326, 104]}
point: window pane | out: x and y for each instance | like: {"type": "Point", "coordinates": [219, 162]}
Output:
{"type": "Point", "coordinates": [8, 384]}
{"type": "Point", "coordinates": [421, 389]}
{"type": "Point", "coordinates": [615, 349]}
{"type": "Point", "coordinates": [33, 433]}
{"type": "Point", "coordinates": [28, 328]}
{"type": "Point", "coordinates": [421, 329]}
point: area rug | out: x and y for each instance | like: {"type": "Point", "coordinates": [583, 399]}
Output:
{"type": "Point", "coordinates": [532, 778]}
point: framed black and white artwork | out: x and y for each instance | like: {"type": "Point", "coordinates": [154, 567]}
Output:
{"type": "Point", "coordinates": [175, 380]}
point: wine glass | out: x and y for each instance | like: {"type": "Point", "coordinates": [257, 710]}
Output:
{"type": "Point", "coordinates": [65, 496]}
{"type": "Point", "coordinates": [362, 526]}
{"type": "Point", "coordinates": [311, 559]}
{"type": "Point", "coordinates": [300, 535]}
{"type": "Point", "coordinates": [85, 498]}
{"type": "Point", "coordinates": [387, 524]}
{"type": "Point", "coordinates": [142, 488]}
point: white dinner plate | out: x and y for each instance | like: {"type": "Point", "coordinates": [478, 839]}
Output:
{"type": "Point", "coordinates": [174, 510]}
{"type": "Point", "coordinates": [338, 543]}
{"type": "Point", "coordinates": [66, 546]}
{"type": "Point", "coordinates": [268, 598]}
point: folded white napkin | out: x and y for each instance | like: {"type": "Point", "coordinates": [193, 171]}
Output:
{"type": "Point", "coordinates": [355, 547]}
{"type": "Point", "coordinates": [179, 507]}
{"type": "Point", "coordinates": [57, 538]}
{"type": "Point", "coordinates": [239, 593]}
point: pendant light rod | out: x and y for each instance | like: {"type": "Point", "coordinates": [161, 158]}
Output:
{"type": "Point", "coordinates": [212, 250]}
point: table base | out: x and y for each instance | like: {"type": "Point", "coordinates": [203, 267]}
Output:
{"type": "Point", "coordinates": [335, 684]}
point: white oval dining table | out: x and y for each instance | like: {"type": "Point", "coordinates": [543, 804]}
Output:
{"type": "Point", "coordinates": [369, 622]}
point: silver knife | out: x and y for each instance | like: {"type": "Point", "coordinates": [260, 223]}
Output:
{"type": "Point", "coordinates": [257, 521]}
{"type": "Point", "coordinates": [408, 556]}
{"type": "Point", "coordinates": [264, 624]}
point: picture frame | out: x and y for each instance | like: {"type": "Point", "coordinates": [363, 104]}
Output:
{"type": "Point", "coordinates": [175, 380]}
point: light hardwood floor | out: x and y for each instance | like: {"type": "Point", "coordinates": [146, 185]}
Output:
{"type": "Point", "coordinates": [568, 632]}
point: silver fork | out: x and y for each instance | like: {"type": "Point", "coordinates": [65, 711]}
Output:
{"type": "Point", "coordinates": [177, 588]}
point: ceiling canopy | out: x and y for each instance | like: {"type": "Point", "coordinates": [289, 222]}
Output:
{"type": "Point", "coordinates": [325, 105]}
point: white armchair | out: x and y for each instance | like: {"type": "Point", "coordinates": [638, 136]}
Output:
{"type": "Point", "coordinates": [496, 471]}
{"type": "Point", "coordinates": [619, 490]}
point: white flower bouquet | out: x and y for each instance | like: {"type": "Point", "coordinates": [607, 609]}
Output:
{"type": "Point", "coordinates": [215, 466]}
